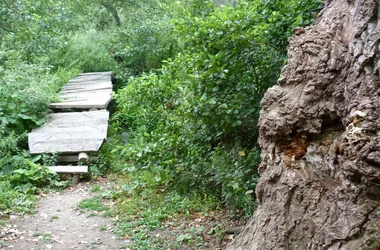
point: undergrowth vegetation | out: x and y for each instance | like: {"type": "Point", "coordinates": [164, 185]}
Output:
{"type": "Point", "coordinates": [25, 92]}
{"type": "Point", "coordinates": [192, 124]}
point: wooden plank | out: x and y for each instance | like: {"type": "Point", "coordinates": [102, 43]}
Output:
{"type": "Point", "coordinates": [67, 132]}
{"type": "Point", "coordinates": [70, 146]}
{"type": "Point", "coordinates": [86, 96]}
{"type": "Point", "coordinates": [98, 76]}
{"type": "Point", "coordinates": [86, 91]}
{"type": "Point", "coordinates": [88, 104]}
{"type": "Point", "coordinates": [86, 115]}
{"type": "Point", "coordinates": [88, 82]}
{"type": "Point", "coordinates": [76, 89]}
{"type": "Point", "coordinates": [69, 169]}
{"type": "Point", "coordinates": [82, 93]}
{"type": "Point", "coordinates": [99, 99]}
{"type": "Point", "coordinates": [63, 92]}
{"type": "Point", "coordinates": [70, 133]}
{"type": "Point", "coordinates": [93, 76]}
{"type": "Point", "coordinates": [76, 119]}
{"type": "Point", "coordinates": [73, 124]}
{"type": "Point", "coordinates": [88, 85]}
{"type": "Point", "coordinates": [96, 73]}
{"type": "Point", "coordinates": [74, 158]}
{"type": "Point", "coordinates": [90, 79]}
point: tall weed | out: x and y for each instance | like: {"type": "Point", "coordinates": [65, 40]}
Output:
{"type": "Point", "coordinates": [87, 51]}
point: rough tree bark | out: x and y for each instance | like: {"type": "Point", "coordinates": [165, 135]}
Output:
{"type": "Point", "coordinates": [320, 138]}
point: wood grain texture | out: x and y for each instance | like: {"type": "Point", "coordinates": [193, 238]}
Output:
{"type": "Point", "coordinates": [76, 132]}
{"type": "Point", "coordinates": [86, 91]}
{"type": "Point", "coordinates": [70, 133]}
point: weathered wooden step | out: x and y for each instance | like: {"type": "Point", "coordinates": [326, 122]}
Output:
{"type": "Point", "coordinates": [69, 169]}
{"type": "Point", "coordinates": [74, 170]}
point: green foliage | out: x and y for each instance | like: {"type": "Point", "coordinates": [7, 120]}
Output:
{"type": "Point", "coordinates": [29, 179]}
{"type": "Point", "coordinates": [145, 39]}
{"type": "Point", "coordinates": [88, 51]}
{"type": "Point", "coordinates": [187, 119]}
{"type": "Point", "coordinates": [98, 168]}
{"type": "Point", "coordinates": [20, 178]}
{"type": "Point", "coordinates": [12, 201]}
{"type": "Point", "coordinates": [234, 171]}
{"type": "Point", "coordinates": [30, 28]}
{"type": "Point", "coordinates": [192, 124]}
{"type": "Point", "coordinates": [25, 92]}
{"type": "Point", "coordinates": [144, 214]}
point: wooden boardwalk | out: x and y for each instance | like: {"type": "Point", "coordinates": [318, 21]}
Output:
{"type": "Point", "coordinates": [86, 91]}
{"type": "Point", "coordinates": [69, 133]}
{"type": "Point", "coordinates": [74, 134]}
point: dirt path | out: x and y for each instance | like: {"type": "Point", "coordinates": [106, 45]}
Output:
{"type": "Point", "coordinates": [58, 225]}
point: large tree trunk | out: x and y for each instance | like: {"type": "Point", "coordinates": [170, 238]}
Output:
{"type": "Point", "coordinates": [320, 138]}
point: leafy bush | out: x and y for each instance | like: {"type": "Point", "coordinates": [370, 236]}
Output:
{"type": "Point", "coordinates": [12, 201]}
{"type": "Point", "coordinates": [20, 178]}
{"type": "Point", "coordinates": [25, 93]}
{"type": "Point", "coordinates": [30, 28]}
{"type": "Point", "coordinates": [88, 51]}
{"type": "Point", "coordinates": [145, 39]}
{"type": "Point", "coordinates": [192, 124]}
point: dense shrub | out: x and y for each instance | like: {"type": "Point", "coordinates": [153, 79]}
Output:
{"type": "Point", "coordinates": [25, 93]}
{"type": "Point", "coordinates": [87, 51]}
{"type": "Point", "coordinates": [145, 38]}
{"type": "Point", "coordinates": [192, 124]}
{"type": "Point", "coordinates": [13, 201]}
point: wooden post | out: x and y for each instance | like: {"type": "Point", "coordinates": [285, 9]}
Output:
{"type": "Point", "coordinates": [75, 179]}
{"type": "Point", "coordinates": [83, 157]}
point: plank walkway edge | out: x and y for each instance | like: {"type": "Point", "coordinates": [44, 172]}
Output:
{"type": "Point", "coordinates": [69, 169]}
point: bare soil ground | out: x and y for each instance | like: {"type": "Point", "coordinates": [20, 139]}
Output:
{"type": "Point", "coordinates": [58, 224]}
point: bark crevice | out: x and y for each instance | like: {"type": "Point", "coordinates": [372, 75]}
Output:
{"type": "Point", "coordinates": [320, 138]}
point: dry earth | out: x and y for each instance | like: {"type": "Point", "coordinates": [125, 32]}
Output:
{"type": "Point", "coordinates": [58, 225]}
